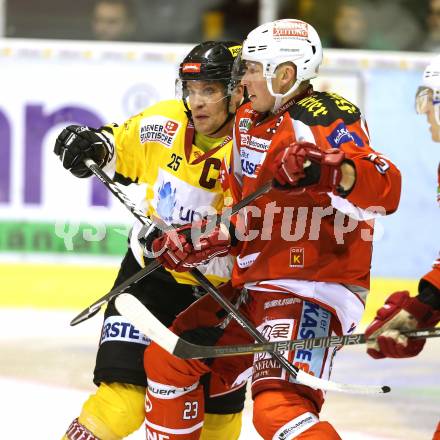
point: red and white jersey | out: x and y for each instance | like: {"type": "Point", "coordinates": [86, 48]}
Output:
{"type": "Point", "coordinates": [434, 275]}
{"type": "Point", "coordinates": [326, 238]}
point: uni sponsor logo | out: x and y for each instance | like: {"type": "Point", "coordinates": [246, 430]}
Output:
{"type": "Point", "coordinates": [296, 257]}
{"type": "Point", "coordinates": [235, 50]}
{"type": "Point", "coordinates": [259, 144]}
{"type": "Point", "coordinates": [273, 330]}
{"type": "Point", "coordinates": [245, 139]}
{"type": "Point", "coordinates": [300, 425]}
{"type": "Point", "coordinates": [277, 329]}
{"type": "Point", "coordinates": [251, 160]}
{"type": "Point", "coordinates": [148, 404]}
{"type": "Point", "coordinates": [162, 391]}
{"type": "Point", "coordinates": [379, 161]}
{"type": "Point", "coordinates": [292, 29]}
{"type": "Point", "coordinates": [117, 328]}
{"type": "Point", "coordinates": [156, 435]}
{"type": "Point", "coordinates": [191, 68]}
{"type": "Point", "coordinates": [313, 105]}
{"type": "Point", "coordinates": [162, 132]}
{"type": "Point", "coordinates": [342, 103]}
{"type": "Point", "coordinates": [315, 322]}
{"type": "Point", "coordinates": [249, 168]}
{"type": "Point", "coordinates": [171, 127]}
{"type": "Point", "coordinates": [244, 124]}
{"type": "Point", "coordinates": [341, 135]}
{"type": "Point", "coordinates": [247, 260]}
{"type": "Point", "coordinates": [280, 302]}
{"type": "Point", "coordinates": [352, 327]}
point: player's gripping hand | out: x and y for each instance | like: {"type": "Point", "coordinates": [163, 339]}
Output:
{"type": "Point", "coordinates": [176, 250]}
{"type": "Point", "coordinates": [400, 312]}
{"type": "Point", "coordinates": [303, 166]}
{"type": "Point", "coordinates": [76, 143]}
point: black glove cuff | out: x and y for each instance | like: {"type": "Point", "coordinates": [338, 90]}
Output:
{"type": "Point", "coordinates": [81, 171]}
{"type": "Point", "coordinates": [429, 294]}
{"type": "Point", "coordinates": [232, 235]}
{"type": "Point", "coordinates": [147, 235]}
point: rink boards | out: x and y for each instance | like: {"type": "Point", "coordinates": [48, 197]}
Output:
{"type": "Point", "coordinates": [62, 286]}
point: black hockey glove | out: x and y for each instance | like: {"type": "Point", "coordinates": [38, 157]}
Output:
{"type": "Point", "coordinates": [146, 236]}
{"type": "Point", "coordinates": [76, 143]}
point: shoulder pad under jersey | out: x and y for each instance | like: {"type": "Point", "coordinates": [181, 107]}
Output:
{"type": "Point", "coordinates": [323, 108]}
{"type": "Point", "coordinates": [171, 107]}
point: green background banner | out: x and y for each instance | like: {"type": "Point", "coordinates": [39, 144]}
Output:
{"type": "Point", "coordinates": [47, 237]}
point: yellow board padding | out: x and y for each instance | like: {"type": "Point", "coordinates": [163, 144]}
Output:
{"type": "Point", "coordinates": [380, 289]}
{"type": "Point", "coordinates": [74, 287]}
{"type": "Point", "coordinates": [54, 286]}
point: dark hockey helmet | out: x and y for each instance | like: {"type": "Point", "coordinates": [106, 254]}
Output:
{"type": "Point", "coordinates": [208, 61]}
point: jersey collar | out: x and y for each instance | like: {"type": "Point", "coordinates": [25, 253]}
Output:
{"type": "Point", "coordinates": [189, 141]}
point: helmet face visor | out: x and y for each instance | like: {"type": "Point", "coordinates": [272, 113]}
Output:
{"type": "Point", "coordinates": [243, 66]}
{"type": "Point", "coordinates": [195, 92]}
{"type": "Point", "coordinates": [238, 69]}
{"type": "Point", "coordinates": [424, 99]}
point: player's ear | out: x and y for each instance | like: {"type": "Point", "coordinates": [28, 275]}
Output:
{"type": "Point", "coordinates": [285, 77]}
{"type": "Point", "coordinates": [288, 73]}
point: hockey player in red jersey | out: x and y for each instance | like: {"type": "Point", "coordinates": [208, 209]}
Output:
{"type": "Point", "coordinates": [304, 249]}
{"type": "Point", "coordinates": [401, 311]}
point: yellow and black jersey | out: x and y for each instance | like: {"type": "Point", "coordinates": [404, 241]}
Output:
{"type": "Point", "coordinates": [156, 147]}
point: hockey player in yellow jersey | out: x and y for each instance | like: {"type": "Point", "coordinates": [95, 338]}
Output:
{"type": "Point", "coordinates": [176, 148]}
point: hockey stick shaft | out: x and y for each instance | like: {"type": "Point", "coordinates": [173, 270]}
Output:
{"type": "Point", "coordinates": [187, 350]}
{"type": "Point", "coordinates": [130, 307]}
{"type": "Point", "coordinates": [151, 267]}
{"type": "Point", "coordinates": [120, 195]}
{"type": "Point", "coordinates": [149, 324]}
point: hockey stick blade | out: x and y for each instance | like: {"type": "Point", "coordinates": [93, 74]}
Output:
{"type": "Point", "coordinates": [130, 307]}
{"type": "Point", "coordinates": [96, 306]}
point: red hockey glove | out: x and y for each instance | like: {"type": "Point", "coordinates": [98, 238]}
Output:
{"type": "Point", "coordinates": [305, 167]}
{"type": "Point", "coordinates": [176, 251]}
{"type": "Point", "coordinates": [400, 312]}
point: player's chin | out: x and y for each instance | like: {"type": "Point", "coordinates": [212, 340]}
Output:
{"type": "Point", "coordinates": [202, 124]}
{"type": "Point", "coordinates": [258, 104]}
{"type": "Point", "coordinates": [254, 103]}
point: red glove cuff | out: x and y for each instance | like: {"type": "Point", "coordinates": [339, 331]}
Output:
{"type": "Point", "coordinates": [421, 311]}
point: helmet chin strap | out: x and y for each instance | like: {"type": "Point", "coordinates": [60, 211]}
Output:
{"type": "Point", "coordinates": [279, 96]}
{"type": "Point", "coordinates": [228, 118]}
{"type": "Point", "coordinates": [437, 112]}
{"type": "Point", "coordinates": [230, 115]}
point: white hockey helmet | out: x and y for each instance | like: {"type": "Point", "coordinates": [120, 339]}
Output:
{"type": "Point", "coordinates": [429, 91]}
{"type": "Point", "coordinates": [280, 41]}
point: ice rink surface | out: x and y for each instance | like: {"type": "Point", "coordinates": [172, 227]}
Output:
{"type": "Point", "coordinates": [46, 369]}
